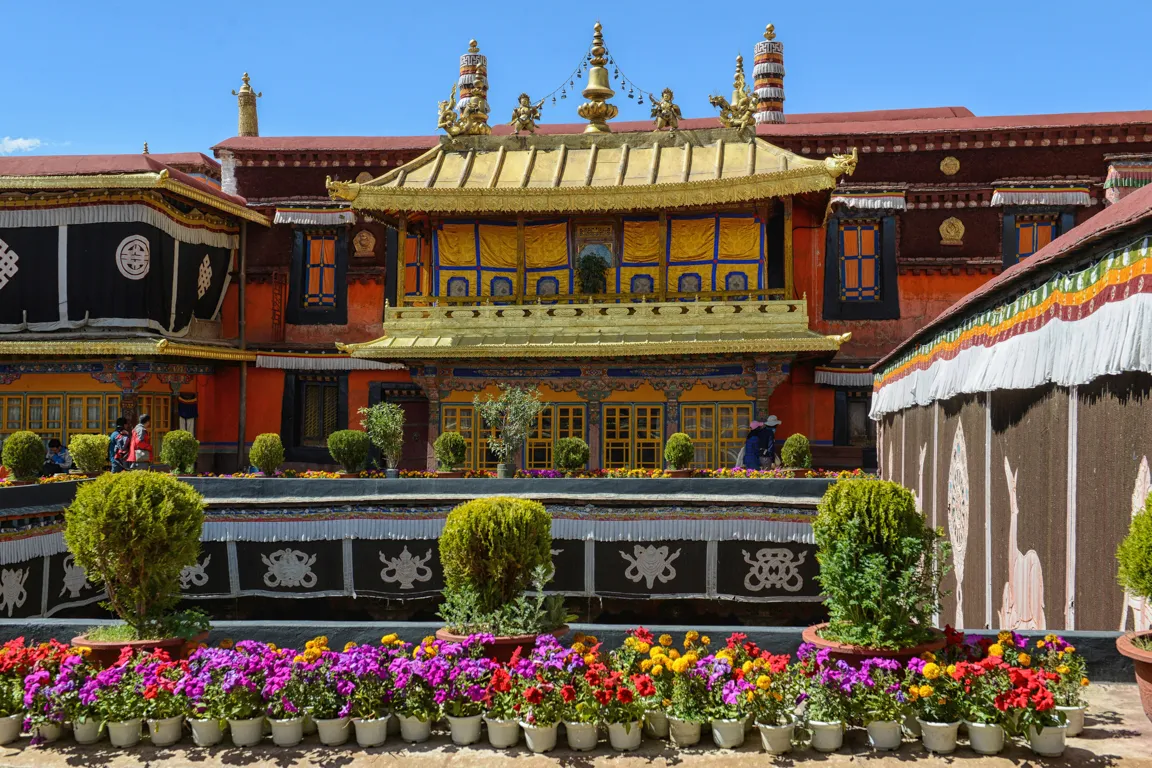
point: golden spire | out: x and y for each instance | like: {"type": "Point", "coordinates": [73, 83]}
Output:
{"type": "Point", "coordinates": [770, 32]}
{"type": "Point", "coordinates": [597, 111]}
{"type": "Point", "coordinates": [246, 98]}
{"type": "Point", "coordinates": [145, 147]}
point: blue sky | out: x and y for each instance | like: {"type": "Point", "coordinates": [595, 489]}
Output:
{"type": "Point", "coordinates": [96, 77]}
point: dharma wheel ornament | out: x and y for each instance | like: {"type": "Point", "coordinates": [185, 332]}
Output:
{"type": "Point", "coordinates": [597, 111]}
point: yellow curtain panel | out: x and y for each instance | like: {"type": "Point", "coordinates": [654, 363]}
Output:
{"type": "Point", "coordinates": [493, 283]}
{"type": "Point", "coordinates": [551, 282]}
{"type": "Point", "coordinates": [642, 242]}
{"type": "Point", "coordinates": [698, 277]}
{"type": "Point", "coordinates": [692, 240]}
{"type": "Point", "coordinates": [739, 239]}
{"type": "Point", "coordinates": [457, 245]}
{"type": "Point", "coordinates": [546, 245]}
{"type": "Point", "coordinates": [737, 277]}
{"type": "Point", "coordinates": [497, 246]}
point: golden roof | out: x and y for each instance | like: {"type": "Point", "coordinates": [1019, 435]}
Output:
{"type": "Point", "coordinates": [593, 172]}
{"type": "Point", "coordinates": [595, 330]}
{"type": "Point", "coordinates": [123, 348]}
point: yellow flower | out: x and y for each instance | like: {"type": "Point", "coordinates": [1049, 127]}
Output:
{"type": "Point", "coordinates": [642, 647]}
{"type": "Point", "coordinates": [590, 640]}
{"type": "Point", "coordinates": [925, 691]}
{"type": "Point", "coordinates": [298, 659]}
{"type": "Point", "coordinates": [578, 637]}
{"type": "Point", "coordinates": [705, 640]}
{"type": "Point", "coordinates": [657, 653]}
{"type": "Point", "coordinates": [665, 640]}
{"type": "Point", "coordinates": [1050, 638]}
{"type": "Point", "coordinates": [1062, 669]}
{"type": "Point", "coordinates": [349, 646]}
{"type": "Point", "coordinates": [226, 643]}
{"type": "Point", "coordinates": [1004, 637]}
{"type": "Point", "coordinates": [692, 636]}
{"type": "Point", "coordinates": [673, 654]}
{"type": "Point", "coordinates": [579, 648]}
{"type": "Point", "coordinates": [646, 665]}
{"type": "Point", "coordinates": [913, 693]}
{"type": "Point", "coordinates": [430, 650]}
{"type": "Point", "coordinates": [630, 643]}
{"type": "Point", "coordinates": [995, 650]}
{"type": "Point", "coordinates": [84, 650]}
{"type": "Point", "coordinates": [321, 641]}
{"type": "Point", "coordinates": [691, 658]}
{"type": "Point", "coordinates": [1024, 659]}
{"type": "Point", "coordinates": [751, 695]}
{"type": "Point", "coordinates": [931, 670]}
{"type": "Point", "coordinates": [1070, 649]}
{"type": "Point", "coordinates": [416, 652]}
{"type": "Point", "coordinates": [746, 667]}
{"type": "Point", "coordinates": [763, 682]}
{"type": "Point", "coordinates": [1083, 681]}
{"type": "Point", "coordinates": [777, 696]}
{"type": "Point", "coordinates": [428, 640]}
{"type": "Point", "coordinates": [590, 659]}
{"type": "Point", "coordinates": [724, 654]}
{"type": "Point", "coordinates": [1040, 643]}
{"type": "Point", "coordinates": [657, 670]}
{"type": "Point", "coordinates": [272, 647]}
{"type": "Point", "coordinates": [928, 656]}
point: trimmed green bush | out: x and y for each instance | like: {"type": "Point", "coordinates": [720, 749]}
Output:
{"type": "Point", "coordinates": [797, 452]}
{"type": "Point", "coordinates": [24, 455]}
{"type": "Point", "coordinates": [1135, 554]}
{"type": "Point", "coordinates": [179, 450]}
{"type": "Point", "coordinates": [384, 423]}
{"type": "Point", "coordinates": [133, 532]}
{"type": "Point", "coordinates": [267, 453]}
{"type": "Point", "coordinates": [349, 448]}
{"type": "Point", "coordinates": [679, 451]}
{"type": "Point", "coordinates": [492, 546]}
{"type": "Point", "coordinates": [570, 454]}
{"type": "Point", "coordinates": [881, 565]}
{"type": "Point", "coordinates": [451, 450]}
{"type": "Point", "coordinates": [89, 452]}
{"type": "Point", "coordinates": [591, 273]}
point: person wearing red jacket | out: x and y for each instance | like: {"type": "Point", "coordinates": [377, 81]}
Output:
{"type": "Point", "coordinates": [140, 447]}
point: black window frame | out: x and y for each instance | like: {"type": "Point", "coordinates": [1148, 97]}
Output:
{"type": "Point", "coordinates": [297, 313]}
{"type": "Point", "coordinates": [1009, 250]}
{"type": "Point", "coordinates": [290, 416]}
{"type": "Point", "coordinates": [888, 305]}
{"type": "Point", "coordinates": [840, 436]}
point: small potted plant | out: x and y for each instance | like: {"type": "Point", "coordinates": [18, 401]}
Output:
{"type": "Point", "coordinates": [570, 454]}
{"type": "Point", "coordinates": [349, 448]}
{"type": "Point", "coordinates": [451, 451]}
{"type": "Point", "coordinates": [1067, 678]}
{"type": "Point", "coordinates": [466, 672]}
{"type": "Point", "coordinates": [179, 451]}
{"type": "Point", "coordinates": [689, 708]}
{"type": "Point", "coordinates": [934, 695]}
{"type": "Point", "coordinates": [325, 693]}
{"type": "Point", "coordinates": [45, 716]}
{"type": "Point", "coordinates": [774, 701]}
{"type": "Point", "coordinates": [580, 712]}
{"type": "Point", "coordinates": [1135, 558]}
{"type": "Point", "coordinates": [502, 701]}
{"type": "Point", "coordinates": [89, 454]}
{"type": "Point", "coordinates": [827, 688]}
{"type": "Point", "coordinates": [267, 453]}
{"type": "Point", "coordinates": [512, 416]}
{"type": "Point", "coordinates": [796, 455]}
{"type": "Point", "coordinates": [1031, 711]}
{"type": "Point", "coordinates": [115, 694]}
{"type": "Point", "coordinates": [881, 703]}
{"type": "Point", "coordinates": [982, 702]}
{"type": "Point", "coordinates": [75, 672]}
{"type": "Point", "coordinates": [729, 700]}
{"type": "Point", "coordinates": [414, 696]}
{"type": "Point", "coordinates": [384, 423]}
{"type": "Point", "coordinates": [224, 684]}
{"type": "Point", "coordinates": [540, 709]}
{"type": "Point", "coordinates": [165, 703]}
{"type": "Point", "coordinates": [679, 453]}
{"type": "Point", "coordinates": [367, 668]}
{"type": "Point", "coordinates": [23, 457]}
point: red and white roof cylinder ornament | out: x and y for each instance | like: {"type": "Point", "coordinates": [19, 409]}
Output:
{"type": "Point", "coordinates": [768, 78]}
{"type": "Point", "coordinates": [473, 74]}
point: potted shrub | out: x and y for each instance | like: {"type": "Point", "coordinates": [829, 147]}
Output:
{"type": "Point", "coordinates": [880, 704]}
{"type": "Point", "coordinates": [23, 457]}
{"type": "Point", "coordinates": [89, 454]}
{"type": "Point", "coordinates": [570, 454]}
{"type": "Point", "coordinates": [796, 455]}
{"type": "Point", "coordinates": [828, 686]}
{"type": "Point", "coordinates": [267, 453]}
{"type": "Point", "coordinates": [133, 532]}
{"type": "Point", "coordinates": [491, 551]}
{"type": "Point", "coordinates": [349, 448]}
{"type": "Point", "coordinates": [513, 416]}
{"type": "Point", "coordinates": [591, 273]}
{"type": "Point", "coordinates": [935, 698]}
{"type": "Point", "coordinates": [1135, 558]}
{"type": "Point", "coordinates": [679, 453]}
{"type": "Point", "coordinates": [881, 566]}
{"type": "Point", "coordinates": [451, 450]}
{"type": "Point", "coordinates": [384, 424]}
{"type": "Point", "coordinates": [179, 450]}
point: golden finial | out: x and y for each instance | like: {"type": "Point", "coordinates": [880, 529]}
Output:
{"type": "Point", "coordinates": [473, 46]}
{"type": "Point", "coordinates": [145, 147]}
{"type": "Point", "coordinates": [740, 112]}
{"type": "Point", "coordinates": [770, 32]}
{"type": "Point", "coordinates": [597, 111]}
{"type": "Point", "coordinates": [246, 99]}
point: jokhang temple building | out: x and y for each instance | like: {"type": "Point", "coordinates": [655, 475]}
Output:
{"type": "Point", "coordinates": [757, 264]}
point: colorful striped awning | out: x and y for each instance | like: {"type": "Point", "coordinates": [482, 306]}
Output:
{"type": "Point", "coordinates": [315, 217]}
{"type": "Point", "coordinates": [870, 201]}
{"type": "Point", "coordinates": [1042, 196]}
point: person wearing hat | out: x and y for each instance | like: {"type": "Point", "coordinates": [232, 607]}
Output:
{"type": "Point", "coordinates": [759, 443]}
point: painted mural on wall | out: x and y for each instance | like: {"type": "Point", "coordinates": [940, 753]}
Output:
{"type": "Point", "coordinates": [1022, 605]}
{"type": "Point", "coordinates": [1140, 607]}
{"type": "Point", "coordinates": [959, 499]}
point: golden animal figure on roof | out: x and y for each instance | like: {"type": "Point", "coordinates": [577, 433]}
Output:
{"type": "Point", "coordinates": [740, 113]}
{"type": "Point", "coordinates": [665, 112]}
{"type": "Point", "coordinates": [525, 114]}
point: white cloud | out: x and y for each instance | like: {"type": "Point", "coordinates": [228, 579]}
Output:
{"type": "Point", "coordinates": [8, 145]}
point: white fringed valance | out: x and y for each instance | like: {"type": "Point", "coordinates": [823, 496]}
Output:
{"type": "Point", "coordinates": [1057, 196]}
{"type": "Point", "coordinates": [315, 217]}
{"type": "Point", "coordinates": [838, 378]}
{"type": "Point", "coordinates": [114, 213]}
{"type": "Point", "coordinates": [871, 201]}
{"type": "Point", "coordinates": [324, 363]}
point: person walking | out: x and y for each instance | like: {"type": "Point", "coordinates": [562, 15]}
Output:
{"type": "Point", "coordinates": [767, 439]}
{"type": "Point", "coordinates": [118, 444]}
{"type": "Point", "coordinates": [749, 457]}
{"type": "Point", "coordinates": [140, 447]}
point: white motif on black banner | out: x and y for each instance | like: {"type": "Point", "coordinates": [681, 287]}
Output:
{"type": "Point", "coordinates": [133, 257]}
{"type": "Point", "coordinates": [75, 580]}
{"type": "Point", "coordinates": [12, 592]}
{"type": "Point", "coordinates": [204, 280]}
{"type": "Point", "coordinates": [194, 575]}
{"type": "Point", "coordinates": [958, 508]}
{"type": "Point", "coordinates": [650, 563]}
{"type": "Point", "coordinates": [774, 567]}
{"type": "Point", "coordinates": [1141, 607]}
{"type": "Point", "coordinates": [289, 568]}
{"type": "Point", "coordinates": [406, 569]}
{"type": "Point", "coordinates": [1022, 604]}
{"type": "Point", "coordinates": [8, 259]}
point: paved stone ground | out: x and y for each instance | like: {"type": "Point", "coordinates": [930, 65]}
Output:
{"type": "Point", "coordinates": [1117, 734]}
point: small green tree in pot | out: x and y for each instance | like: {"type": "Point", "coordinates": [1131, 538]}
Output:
{"type": "Point", "coordinates": [349, 448]}
{"type": "Point", "coordinates": [267, 453]}
{"type": "Point", "coordinates": [796, 453]}
{"type": "Point", "coordinates": [451, 450]}
{"type": "Point", "coordinates": [570, 454]}
{"type": "Point", "coordinates": [133, 533]}
{"type": "Point", "coordinates": [23, 456]}
{"type": "Point", "coordinates": [89, 453]}
{"type": "Point", "coordinates": [384, 423]}
{"type": "Point", "coordinates": [591, 277]}
{"type": "Point", "coordinates": [679, 453]}
{"type": "Point", "coordinates": [513, 415]}
{"type": "Point", "coordinates": [1135, 575]}
{"type": "Point", "coordinates": [180, 451]}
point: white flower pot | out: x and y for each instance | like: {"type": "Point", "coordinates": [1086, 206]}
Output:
{"type": "Point", "coordinates": [539, 738]}
{"type": "Point", "coordinates": [656, 724]}
{"type": "Point", "coordinates": [777, 739]}
{"type": "Point", "coordinates": [1049, 741]}
{"type": "Point", "coordinates": [885, 735]}
{"type": "Point", "coordinates": [939, 737]}
{"type": "Point", "coordinates": [625, 737]}
{"type": "Point", "coordinates": [166, 732]}
{"type": "Point", "coordinates": [465, 730]}
{"type": "Point", "coordinates": [912, 726]}
{"type": "Point", "coordinates": [47, 733]}
{"type": "Point", "coordinates": [10, 727]}
{"type": "Point", "coordinates": [581, 736]}
{"type": "Point", "coordinates": [287, 732]}
{"type": "Point", "coordinates": [309, 725]}
{"type": "Point", "coordinates": [985, 738]}
{"type": "Point", "coordinates": [728, 734]}
{"type": "Point", "coordinates": [333, 731]}
{"type": "Point", "coordinates": [247, 733]}
{"type": "Point", "coordinates": [502, 733]}
{"type": "Point", "coordinates": [414, 730]}
{"type": "Point", "coordinates": [86, 732]}
{"type": "Point", "coordinates": [125, 734]}
{"type": "Point", "coordinates": [205, 733]}
{"type": "Point", "coordinates": [1075, 719]}
{"type": "Point", "coordinates": [826, 736]}
{"type": "Point", "coordinates": [684, 733]}
{"type": "Point", "coordinates": [371, 733]}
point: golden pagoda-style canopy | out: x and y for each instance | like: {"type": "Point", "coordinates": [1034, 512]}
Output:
{"type": "Point", "coordinates": [593, 172]}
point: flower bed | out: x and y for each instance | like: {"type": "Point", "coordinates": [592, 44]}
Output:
{"type": "Point", "coordinates": [554, 474]}
{"type": "Point", "coordinates": [650, 683]}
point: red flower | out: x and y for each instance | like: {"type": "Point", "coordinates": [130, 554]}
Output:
{"type": "Point", "coordinates": [602, 696]}
{"type": "Point", "coordinates": [150, 692]}
{"type": "Point", "coordinates": [501, 680]}
{"type": "Point", "coordinates": [642, 635]}
{"type": "Point", "coordinates": [624, 695]}
{"type": "Point", "coordinates": [533, 695]}
{"type": "Point", "coordinates": [568, 693]}
{"type": "Point", "coordinates": [736, 638]}
{"type": "Point", "coordinates": [644, 685]}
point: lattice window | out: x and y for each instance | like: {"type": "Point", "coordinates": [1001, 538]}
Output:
{"type": "Point", "coordinates": [569, 421]}
{"type": "Point", "coordinates": [539, 449]}
{"type": "Point", "coordinates": [111, 412]}
{"type": "Point", "coordinates": [11, 415]}
{"type": "Point", "coordinates": [734, 421]}
{"type": "Point", "coordinates": [860, 261]}
{"type": "Point", "coordinates": [320, 271]}
{"type": "Point", "coordinates": [319, 409]}
{"type": "Point", "coordinates": [46, 416]}
{"type": "Point", "coordinates": [1033, 233]}
{"type": "Point", "coordinates": [460, 418]}
{"type": "Point", "coordinates": [649, 437]}
{"type": "Point", "coordinates": [617, 437]}
{"type": "Point", "coordinates": [699, 423]}
{"type": "Point", "coordinates": [159, 410]}
{"type": "Point", "coordinates": [85, 414]}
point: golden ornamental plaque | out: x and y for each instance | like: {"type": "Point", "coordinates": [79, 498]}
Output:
{"type": "Point", "coordinates": [949, 166]}
{"type": "Point", "coordinates": [952, 231]}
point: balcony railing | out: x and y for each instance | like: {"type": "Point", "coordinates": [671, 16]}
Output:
{"type": "Point", "coordinates": [767, 294]}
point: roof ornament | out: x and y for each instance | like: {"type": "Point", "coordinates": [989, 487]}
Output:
{"type": "Point", "coordinates": [525, 114]}
{"type": "Point", "coordinates": [472, 107]}
{"type": "Point", "coordinates": [145, 148]}
{"type": "Point", "coordinates": [845, 164]}
{"type": "Point", "coordinates": [739, 113]}
{"type": "Point", "coordinates": [246, 100]}
{"type": "Point", "coordinates": [665, 112]}
{"type": "Point", "coordinates": [597, 111]}
{"type": "Point", "coordinates": [768, 78]}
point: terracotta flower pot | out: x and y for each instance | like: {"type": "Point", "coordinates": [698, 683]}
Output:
{"type": "Point", "coordinates": [449, 474]}
{"type": "Point", "coordinates": [502, 648]}
{"type": "Point", "coordinates": [1142, 660]}
{"type": "Point", "coordinates": [106, 654]}
{"type": "Point", "coordinates": [855, 654]}
{"type": "Point", "coordinates": [678, 472]}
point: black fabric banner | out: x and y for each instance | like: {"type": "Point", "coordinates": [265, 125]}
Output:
{"type": "Point", "coordinates": [120, 271]}
{"type": "Point", "coordinates": [28, 274]}
{"type": "Point", "coordinates": [651, 567]}
{"type": "Point", "coordinates": [757, 569]}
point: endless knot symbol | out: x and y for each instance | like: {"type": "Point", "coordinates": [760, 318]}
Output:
{"type": "Point", "coordinates": [75, 580]}
{"type": "Point", "coordinates": [774, 568]}
{"type": "Point", "coordinates": [204, 282]}
{"type": "Point", "coordinates": [406, 569]}
{"type": "Point", "coordinates": [133, 257]}
{"type": "Point", "coordinates": [8, 259]}
{"type": "Point", "coordinates": [12, 592]}
{"type": "Point", "coordinates": [650, 563]}
{"type": "Point", "coordinates": [194, 575]}
{"type": "Point", "coordinates": [289, 568]}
